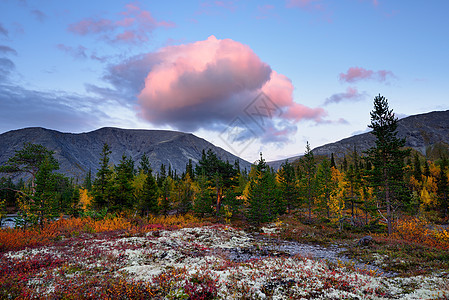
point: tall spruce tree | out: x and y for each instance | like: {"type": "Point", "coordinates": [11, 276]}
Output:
{"type": "Point", "coordinates": [149, 200]}
{"type": "Point", "coordinates": [102, 182]}
{"type": "Point", "coordinates": [204, 200]}
{"type": "Point", "coordinates": [123, 192]}
{"type": "Point", "coordinates": [263, 197]}
{"type": "Point", "coordinates": [387, 159]}
{"type": "Point", "coordinates": [309, 166]}
{"type": "Point", "coordinates": [288, 185]}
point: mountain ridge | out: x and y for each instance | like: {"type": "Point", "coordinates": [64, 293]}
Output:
{"type": "Point", "coordinates": [78, 153]}
{"type": "Point", "coordinates": [420, 131]}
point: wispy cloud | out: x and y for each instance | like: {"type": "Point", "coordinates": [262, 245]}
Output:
{"type": "Point", "coordinates": [6, 68]}
{"type": "Point", "coordinates": [133, 25]}
{"type": "Point", "coordinates": [355, 74]}
{"type": "Point", "coordinates": [77, 52]}
{"type": "Point", "coordinates": [351, 95]}
{"type": "Point", "coordinates": [7, 50]}
{"type": "Point", "coordinates": [3, 30]}
{"type": "Point", "coordinates": [39, 15]}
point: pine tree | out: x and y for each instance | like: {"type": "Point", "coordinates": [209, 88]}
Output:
{"type": "Point", "coordinates": [333, 165]}
{"type": "Point", "coordinates": [43, 204]}
{"type": "Point", "coordinates": [443, 186]}
{"type": "Point", "coordinates": [166, 196]}
{"type": "Point", "coordinates": [161, 176]}
{"type": "Point", "coordinates": [28, 160]}
{"type": "Point", "coordinates": [203, 201]}
{"type": "Point", "coordinates": [417, 173]}
{"type": "Point", "coordinates": [185, 194]}
{"type": "Point", "coordinates": [102, 182]}
{"type": "Point", "coordinates": [387, 159]}
{"type": "Point", "coordinates": [309, 166]}
{"type": "Point", "coordinates": [87, 184]}
{"type": "Point", "coordinates": [288, 185]}
{"type": "Point", "coordinates": [145, 165]}
{"type": "Point", "coordinates": [122, 195]}
{"type": "Point", "coordinates": [263, 197]}
{"type": "Point", "coordinates": [189, 170]}
{"type": "Point", "coordinates": [149, 201]}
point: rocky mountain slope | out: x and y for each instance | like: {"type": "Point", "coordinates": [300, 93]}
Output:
{"type": "Point", "coordinates": [79, 153]}
{"type": "Point", "coordinates": [421, 132]}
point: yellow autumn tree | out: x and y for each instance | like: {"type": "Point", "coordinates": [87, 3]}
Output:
{"type": "Point", "coordinates": [429, 190]}
{"type": "Point", "coordinates": [85, 199]}
{"type": "Point", "coordinates": [337, 197]}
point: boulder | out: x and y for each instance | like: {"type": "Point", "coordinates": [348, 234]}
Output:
{"type": "Point", "coordinates": [365, 241]}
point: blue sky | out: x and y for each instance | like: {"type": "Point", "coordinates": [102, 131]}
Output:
{"type": "Point", "coordinates": [202, 67]}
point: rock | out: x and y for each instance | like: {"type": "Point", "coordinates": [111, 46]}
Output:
{"type": "Point", "coordinates": [365, 241]}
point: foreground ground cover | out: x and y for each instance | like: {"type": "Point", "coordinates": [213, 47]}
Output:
{"type": "Point", "coordinates": [189, 261]}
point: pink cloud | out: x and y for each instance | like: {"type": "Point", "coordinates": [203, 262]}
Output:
{"type": "Point", "coordinates": [355, 74]}
{"type": "Point", "coordinates": [351, 94]}
{"type": "Point", "coordinates": [208, 83]}
{"type": "Point", "coordinates": [135, 25]}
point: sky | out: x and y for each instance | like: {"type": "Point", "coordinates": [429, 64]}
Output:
{"type": "Point", "coordinates": [248, 76]}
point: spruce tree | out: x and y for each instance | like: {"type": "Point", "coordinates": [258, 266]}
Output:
{"type": "Point", "coordinates": [149, 201]}
{"type": "Point", "coordinates": [263, 197]}
{"type": "Point", "coordinates": [309, 166]}
{"type": "Point", "coordinates": [288, 185]}
{"type": "Point", "coordinates": [204, 200]}
{"type": "Point", "coordinates": [122, 195]}
{"type": "Point", "coordinates": [417, 173]}
{"type": "Point", "coordinates": [387, 159]}
{"type": "Point", "coordinates": [102, 182]}
{"type": "Point", "coordinates": [161, 176]}
{"type": "Point", "coordinates": [44, 204]}
{"type": "Point", "coordinates": [333, 165]}
{"type": "Point", "coordinates": [87, 184]}
{"type": "Point", "coordinates": [145, 165]}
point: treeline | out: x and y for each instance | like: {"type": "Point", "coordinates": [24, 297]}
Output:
{"type": "Point", "coordinates": [357, 190]}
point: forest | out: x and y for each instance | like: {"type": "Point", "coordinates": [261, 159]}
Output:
{"type": "Point", "coordinates": [366, 191]}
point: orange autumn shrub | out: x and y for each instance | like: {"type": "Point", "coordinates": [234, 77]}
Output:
{"type": "Point", "coordinates": [18, 238]}
{"type": "Point", "coordinates": [421, 232]}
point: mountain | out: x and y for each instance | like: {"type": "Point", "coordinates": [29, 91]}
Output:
{"type": "Point", "coordinates": [79, 153]}
{"type": "Point", "coordinates": [422, 132]}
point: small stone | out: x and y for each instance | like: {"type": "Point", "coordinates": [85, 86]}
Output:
{"type": "Point", "coordinates": [365, 241]}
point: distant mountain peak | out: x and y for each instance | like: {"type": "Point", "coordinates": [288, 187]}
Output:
{"type": "Point", "coordinates": [78, 153]}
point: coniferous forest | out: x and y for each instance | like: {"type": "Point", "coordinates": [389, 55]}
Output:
{"type": "Point", "coordinates": [394, 198]}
